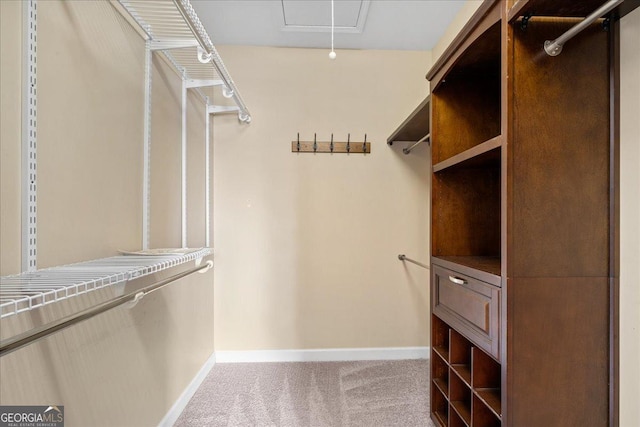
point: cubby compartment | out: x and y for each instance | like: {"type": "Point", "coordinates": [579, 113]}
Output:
{"type": "Point", "coordinates": [455, 420]}
{"type": "Point", "coordinates": [460, 397]}
{"type": "Point", "coordinates": [466, 216]}
{"type": "Point", "coordinates": [466, 102]}
{"type": "Point", "coordinates": [440, 338]}
{"type": "Point", "coordinates": [482, 415]}
{"type": "Point", "coordinates": [440, 407]}
{"type": "Point", "coordinates": [460, 356]}
{"type": "Point", "coordinates": [439, 373]}
{"type": "Point", "coordinates": [485, 380]}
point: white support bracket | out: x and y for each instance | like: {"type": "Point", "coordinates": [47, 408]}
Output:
{"type": "Point", "coordinates": [184, 160]}
{"type": "Point", "coordinates": [207, 181]}
{"type": "Point", "coordinates": [172, 44]}
{"type": "Point", "coordinates": [192, 83]}
{"type": "Point", "coordinates": [222, 109]}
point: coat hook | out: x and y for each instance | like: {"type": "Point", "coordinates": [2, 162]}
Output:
{"type": "Point", "coordinates": [364, 144]}
{"type": "Point", "coordinates": [298, 142]}
{"type": "Point", "coordinates": [348, 142]}
{"type": "Point", "coordinates": [315, 145]}
{"type": "Point", "coordinates": [331, 146]}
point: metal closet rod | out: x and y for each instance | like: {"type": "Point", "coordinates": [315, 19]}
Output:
{"type": "Point", "coordinates": [407, 150]}
{"type": "Point", "coordinates": [12, 344]}
{"type": "Point", "coordinates": [403, 257]}
{"type": "Point", "coordinates": [554, 47]}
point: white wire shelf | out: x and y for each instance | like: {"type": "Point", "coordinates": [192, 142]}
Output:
{"type": "Point", "coordinates": [26, 291]}
{"type": "Point", "coordinates": [174, 29]}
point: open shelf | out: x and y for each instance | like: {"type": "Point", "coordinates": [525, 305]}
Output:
{"type": "Point", "coordinates": [466, 214]}
{"type": "Point", "coordinates": [26, 291]}
{"type": "Point", "coordinates": [415, 127]}
{"type": "Point", "coordinates": [486, 154]}
{"type": "Point", "coordinates": [488, 264]}
{"type": "Point", "coordinates": [466, 105]}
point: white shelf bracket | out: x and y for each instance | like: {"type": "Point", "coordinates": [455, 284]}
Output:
{"type": "Point", "coordinates": [172, 44]}
{"type": "Point", "coordinates": [207, 169]}
{"type": "Point", "coordinates": [29, 137]}
{"type": "Point", "coordinates": [193, 83]}
{"type": "Point", "coordinates": [222, 109]}
{"type": "Point", "coordinates": [184, 160]}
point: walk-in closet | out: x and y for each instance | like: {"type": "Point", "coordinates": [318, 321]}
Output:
{"type": "Point", "coordinates": [319, 213]}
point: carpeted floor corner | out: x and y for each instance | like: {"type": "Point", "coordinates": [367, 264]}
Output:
{"type": "Point", "coordinates": [314, 394]}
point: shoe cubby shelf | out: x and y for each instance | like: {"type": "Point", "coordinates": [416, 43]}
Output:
{"type": "Point", "coordinates": [465, 381]}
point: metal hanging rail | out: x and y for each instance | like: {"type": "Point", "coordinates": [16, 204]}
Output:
{"type": "Point", "coordinates": [554, 47]}
{"type": "Point", "coordinates": [403, 257]}
{"type": "Point", "coordinates": [407, 150]}
{"type": "Point", "coordinates": [176, 31]}
{"type": "Point", "coordinates": [12, 344]}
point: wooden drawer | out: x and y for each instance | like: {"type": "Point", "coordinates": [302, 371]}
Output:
{"type": "Point", "coordinates": [470, 306]}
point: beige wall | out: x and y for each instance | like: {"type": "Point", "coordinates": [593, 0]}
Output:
{"type": "Point", "coordinates": [461, 18]}
{"type": "Point", "coordinates": [306, 245]}
{"type": "Point", "coordinates": [10, 154]}
{"type": "Point", "coordinates": [629, 220]}
{"type": "Point", "coordinates": [125, 367]}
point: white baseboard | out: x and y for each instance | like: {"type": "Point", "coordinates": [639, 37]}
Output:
{"type": "Point", "coordinates": [174, 413]}
{"type": "Point", "coordinates": [323, 355]}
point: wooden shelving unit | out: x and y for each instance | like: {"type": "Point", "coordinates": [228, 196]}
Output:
{"type": "Point", "coordinates": [523, 218]}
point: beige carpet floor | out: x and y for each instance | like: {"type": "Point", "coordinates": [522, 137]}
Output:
{"type": "Point", "coordinates": [366, 393]}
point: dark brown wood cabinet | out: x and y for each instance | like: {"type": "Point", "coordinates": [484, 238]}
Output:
{"type": "Point", "coordinates": [523, 283]}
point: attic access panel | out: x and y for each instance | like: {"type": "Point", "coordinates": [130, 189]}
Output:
{"type": "Point", "coordinates": [315, 15]}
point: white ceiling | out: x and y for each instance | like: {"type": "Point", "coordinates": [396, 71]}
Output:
{"type": "Point", "coordinates": [360, 24]}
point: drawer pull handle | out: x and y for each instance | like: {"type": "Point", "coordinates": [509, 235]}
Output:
{"type": "Point", "coordinates": [457, 280]}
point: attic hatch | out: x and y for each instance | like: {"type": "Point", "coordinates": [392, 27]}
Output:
{"type": "Point", "coordinates": [315, 15]}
